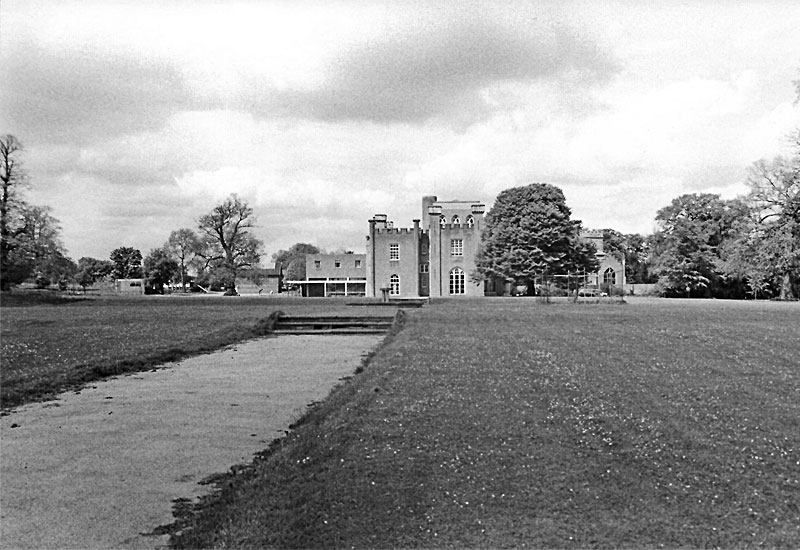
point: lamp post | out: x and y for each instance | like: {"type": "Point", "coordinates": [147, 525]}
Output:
{"type": "Point", "coordinates": [435, 212]}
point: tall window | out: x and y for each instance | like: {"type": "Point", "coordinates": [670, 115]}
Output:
{"type": "Point", "coordinates": [394, 285]}
{"type": "Point", "coordinates": [609, 277]}
{"type": "Point", "coordinates": [456, 220]}
{"type": "Point", "coordinates": [456, 247]}
{"type": "Point", "coordinates": [394, 251]}
{"type": "Point", "coordinates": [457, 281]}
{"type": "Point", "coordinates": [470, 221]}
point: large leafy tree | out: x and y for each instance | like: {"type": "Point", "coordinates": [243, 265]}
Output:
{"type": "Point", "coordinates": [127, 263]}
{"type": "Point", "coordinates": [159, 269]}
{"type": "Point", "coordinates": [39, 246]}
{"type": "Point", "coordinates": [91, 270]}
{"type": "Point", "coordinates": [529, 231]}
{"type": "Point", "coordinates": [767, 252]}
{"type": "Point", "coordinates": [30, 243]}
{"type": "Point", "coordinates": [229, 244]}
{"type": "Point", "coordinates": [686, 249]}
{"type": "Point", "coordinates": [294, 260]}
{"type": "Point", "coordinates": [183, 245]}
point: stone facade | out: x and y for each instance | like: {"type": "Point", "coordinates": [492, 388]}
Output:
{"type": "Point", "coordinates": [611, 270]}
{"type": "Point", "coordinates": [436, 257]}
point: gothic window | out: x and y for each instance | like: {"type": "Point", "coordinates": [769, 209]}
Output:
{"type": "Point", "coordinates": [456, 220]}
{"type": "Point", "coordinates": [457, 281]}
{"type": "Point", "coordinates": [609, 277]}
{"type": "Point", "coordinates": [442, 221]}
{"type": "Point", "coordinates": [394, 285]}
{"type": "Point", "coordinates": [470, 221]}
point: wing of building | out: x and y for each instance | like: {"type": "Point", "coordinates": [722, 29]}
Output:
{"type": "Point", "coordinates": [434, 257]}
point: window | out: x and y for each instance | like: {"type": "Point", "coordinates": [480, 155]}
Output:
{"type": "Point", "coordinates": [470, 222]}
{"type": "Point", "coordinates": [394, 251]}
{"type": "Point", "coordinates": [442, 221]}
{"type": "Point", "coordinates": [394, 285]}
{"type": "Point", "coordinates": [317, 264]}
{"type": "Point", "coordinates": [337, 263]}
{"type": "Point", "coordinates": [457, 281]}
{"type": "Point", "coordinates": [456, 220]}
{"type": "Point", "coordinates": [358, 263]}
{"type": "Point", "coordinates": [457, 247]}
{"type": "Point", "coordinates": [609, 277]}
{"type": "Point", "coordinates": [423, 268]}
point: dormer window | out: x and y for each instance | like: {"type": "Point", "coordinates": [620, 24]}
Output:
{"type": "Point", "coordinates": [456, 220]}
{"type": "Point", "coordinates": [442, 221]}
{"type": "Point", "coordinates": [470, 221]}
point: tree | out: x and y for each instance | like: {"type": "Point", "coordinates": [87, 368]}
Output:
{"type": "Point", "coordinates": [183, 245]}
{"type": "Point", "coordinates": [39, 246]}
{"type": "Point", "coordinates": [294, 260]}
{"type": "Point", "coordinates": [767, 252]}
{"type": "Point", "coordinates": [127, 263]}
{"type": "Point", "coordinates": [529, 231]}
{"type": "Point", "coordinates": [91, 270]}
{"type": "Point", "coordinates": [686, 250]}
{"type": "Point", "coordinates": [12, 178]}
{"type": "Point", "coordinates": [159, 269]}
{"type": "Point", "coordinates": [229, 244]}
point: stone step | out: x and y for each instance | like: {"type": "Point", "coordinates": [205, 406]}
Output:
{"type": "Point", "coordinates": [291, 324]}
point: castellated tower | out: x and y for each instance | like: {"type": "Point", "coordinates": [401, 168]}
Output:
{"type": "Point", "coordinates": [433, 258]}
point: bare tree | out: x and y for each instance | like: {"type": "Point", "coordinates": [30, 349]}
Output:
{"type": "Point", "coordinates": [230, 246]}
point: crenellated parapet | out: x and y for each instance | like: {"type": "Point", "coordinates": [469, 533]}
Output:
{"type": "Point", "coordinates": [394, 231]}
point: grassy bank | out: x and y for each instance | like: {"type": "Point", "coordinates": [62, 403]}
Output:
{"type": "Point", "coordinates": [507, 423]}
{"type": "Point", "coordinates": [51, 343]}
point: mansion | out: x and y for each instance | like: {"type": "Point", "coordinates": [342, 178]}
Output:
{"type": "Point", "coordinates": [435, 257]}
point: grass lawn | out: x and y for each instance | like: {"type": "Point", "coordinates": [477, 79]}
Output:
{"type": "Point", "coordinates": [50, 343]}
{"type": "Point", "coordinates": [510, 423]}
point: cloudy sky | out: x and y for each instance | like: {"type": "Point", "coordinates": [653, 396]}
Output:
{"type": "Point", "coordinates": [138, 117]}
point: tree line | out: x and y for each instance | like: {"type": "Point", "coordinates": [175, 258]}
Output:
{"type": "Point", "coordinates": [704, 246]}
{"type": "Point", "coordinates": [31, 249]}
{"type": "Point", "coordinates": [221, 248]}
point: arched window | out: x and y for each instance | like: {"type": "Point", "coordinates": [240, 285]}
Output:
{"type": "Point", "coordinates": [609, 276]}
{"type": "Point", "coordinates": [442, 221]}
{"type": "Point", "coordinates": [470, 221]}
{"type": "Point", "coordinates": [456, 220]}
{"type": "Point", "coordinates": [394, 285]}
{"type": "Point", "coordinates": [457, 281]}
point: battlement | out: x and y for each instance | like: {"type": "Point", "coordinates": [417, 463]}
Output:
{"type": "Point", "coordinates": [394, 231]}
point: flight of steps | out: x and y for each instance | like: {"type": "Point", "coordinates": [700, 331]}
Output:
{"type": "Point", "coordinates": [295, 324]}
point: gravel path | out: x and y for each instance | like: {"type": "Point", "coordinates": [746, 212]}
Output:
{"type": "Point", "coordinates": [100, 468]}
